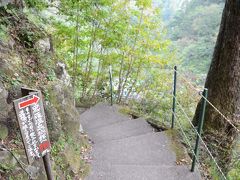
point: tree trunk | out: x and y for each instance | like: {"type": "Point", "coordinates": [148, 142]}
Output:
{"type": "Point", "coordinates": [131, 62]}
{"type": "Point", "coordinates": [75, 58]}
{"type": "Point", "coordinates": [88, 65]}
{"type": "Point", "coordinates": [134, 81]}
{"type": "Point", "coordinates": [223, 83]}
{"type": "Point", "coordinates": [120, 79]}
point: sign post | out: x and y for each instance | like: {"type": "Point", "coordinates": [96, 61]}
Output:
{"type": "Point", "coordinates": [32, 121]}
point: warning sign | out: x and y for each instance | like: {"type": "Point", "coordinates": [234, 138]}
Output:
{"type": "Point", "coordinates": [32, 122]}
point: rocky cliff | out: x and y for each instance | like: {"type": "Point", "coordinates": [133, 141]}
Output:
{"type": "Point", "coordinates": [27, 60]}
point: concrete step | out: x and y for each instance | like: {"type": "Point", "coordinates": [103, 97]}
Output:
{"type": "Point", "coordinates": [106, 171]}
{"type": "Point", "coordinates": [101, 115]}
{"type": "Point", "coordinates": [120, 130]}
{"type": "Point", "coordinates": [126, 149]}
{"type": "Point", "coordinates": [147, 149]}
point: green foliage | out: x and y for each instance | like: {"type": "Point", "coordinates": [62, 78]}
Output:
{"type": "Point", "coordinates": [3, 33]}
{"type": "Point", "coordinates": [98, 34]}
{"type": "Point", "coordinates": [235, 172]}
{"type": "Point", "coordinates": [144, 3]}
{"type": "Point", "coordinates": [62, 158]}
{"type": "Point", "coordinates": [36, 4]}
{"type": "Point", "coordinates": [58, 146]}
{"type": "Point", "coordinates": [6, 168]}
{"type": "Point", "coordinates": [20, 28]}
{"type": "Point", "coordinates": [194, 32]}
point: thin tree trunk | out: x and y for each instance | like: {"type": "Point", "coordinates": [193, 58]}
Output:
{"type": "Point", "coordinates": [98, 75]}
{"type": "Point", "coordinates": [120, 77]}
{"type": "Point", "coordinates": [87, 68]}
{"type": "Point", "coordinates": [88, 79]}
{"type": "Point", "coordinates": [75, 60]}
{"type": "Point", "coordinates": [135, 80]}
{"type": "Point", "coordinates": [130, 65]}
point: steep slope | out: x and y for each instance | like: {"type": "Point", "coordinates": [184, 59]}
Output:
{"type": "Point", "coordinates": [194, 32]}
{"type": "Point", "coordinates": [27, 60]}
{"type": "Point", "coordinates": [170, 7]}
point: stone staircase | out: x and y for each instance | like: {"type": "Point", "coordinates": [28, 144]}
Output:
{"type": "Point", "coordinates": [129, 149]}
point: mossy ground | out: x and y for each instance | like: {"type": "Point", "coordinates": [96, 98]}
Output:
{"type": "Point", "coordinates": [70, 157]}
{"type": "Point", "coordinates": [156, 123]}
{"type": "Point", "coordinates": [176, 145]}
{"type": "Point", "coordinates": [130, 112]}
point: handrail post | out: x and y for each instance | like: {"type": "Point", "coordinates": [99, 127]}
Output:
{"type": "Point", "coordinates": [200, 126]}
{"type": "Point", "coordinates": [111, 86]}
{"type": "Point", "coordinates": [174, 96]}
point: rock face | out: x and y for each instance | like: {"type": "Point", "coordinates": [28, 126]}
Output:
{"type": "Point", "coordinates": [53, 121]}
{"type": "Point", "coordinates": [28, 67]}
{"type": "Point", "coordinates": [3, 102]}
{"type": "Point", "coordinates": [62, 74]}
{"type": "Point", "coordinates": [63, 101]}
{"type": "Point", "coordinates": [61, 114]}
{"type": "Point", "coordinates": [4, 110]}
{"type": "Point", "coordinates": [7, 159]}
{"type": "Point", "coordinates": [6, 2]}
{"type": "Point", "coordinates": [3, 131]}
{"type": "Point", "coordinates": [43, 45]}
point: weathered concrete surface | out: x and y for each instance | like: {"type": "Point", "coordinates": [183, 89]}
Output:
{"type": "Point", "coordinates": [103, 171]}
{"type": "Point", "coordinates": [147, 149]}
{"type": "Point", "coordinates": [101, 115]}
{"type": "Point", "coordinates": [128, 149]}
{"type": "Point", "coordinates": [120, 130]}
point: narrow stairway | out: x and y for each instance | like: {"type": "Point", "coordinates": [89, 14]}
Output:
{"type": "Point", "coordinates": [129, 149]}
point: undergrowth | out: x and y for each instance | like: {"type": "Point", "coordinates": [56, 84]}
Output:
{"type": "Point", "coordinates": [78, 150]}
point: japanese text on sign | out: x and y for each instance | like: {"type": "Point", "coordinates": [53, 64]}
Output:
{"type": "Point", "coordinates": [33, 127]}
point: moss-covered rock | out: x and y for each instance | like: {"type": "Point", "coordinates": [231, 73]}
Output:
{"type": "Point", "coordinates": [22, 65]}
{"type": "Point", "coordinates": [3, 102]}
{"type": "Point", "coordinates": [69, 157]}
{"type": "Point", "coordinates": [9, 68]}
{"type": "Point", "coordinates": [3, 131]}
{"type": "Point", "coordinates": [7, 161]}
{"type": "Point", "coordinates": [62, 99]}
{"type": "Point", "coordinates": [53, 122]}
{"type": "Point", "coordinates": [72, 159]}
{"type": "Point", "coordinates": [182, 156]}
